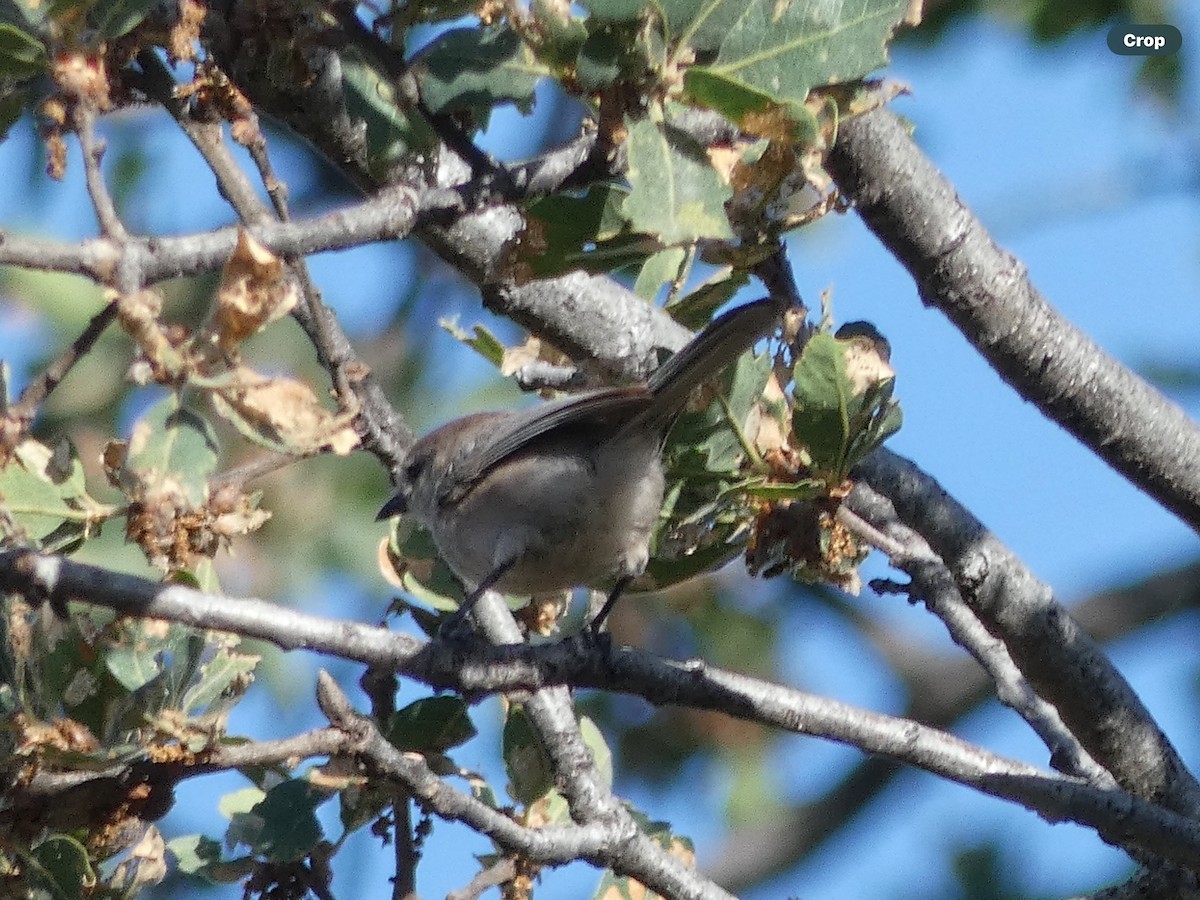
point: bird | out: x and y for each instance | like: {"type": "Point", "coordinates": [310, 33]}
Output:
{"type": "Point", "coordinates": [566, 493]}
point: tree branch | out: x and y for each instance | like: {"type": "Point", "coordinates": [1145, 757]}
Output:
{"type": "Point", "coordinates": [987, 293]}
{"type": "Point", "coordinates": [933, 583]}
{"type": "Point", "coordinates": [941, 689]}
{"type": "Point", "coordinates": [390, 214]}
{"type": "Point", "coordinates": [111, 226]}
{"type": "Point", "coordinates": [1117, 815]}
{"type": "Point", "coordinates": [606, 841]}
{"type": "Point", "coordinates": [552, 714]}
{"type": "Point", "coordinates": [588, 317]}
{"type": "Point", "coordinates": [1062, 663]}
{"type": "Point", "coordinates": [35, 393]}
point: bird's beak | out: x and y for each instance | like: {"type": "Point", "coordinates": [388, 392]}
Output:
{"type": "Point", "coordinates": [397, 506]}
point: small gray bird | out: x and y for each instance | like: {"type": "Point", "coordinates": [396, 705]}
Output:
{"type": "Point", "coordinates": [564, 494]}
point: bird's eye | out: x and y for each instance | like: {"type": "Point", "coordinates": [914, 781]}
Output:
{"type": "Point", "coordinates": [413, 469]}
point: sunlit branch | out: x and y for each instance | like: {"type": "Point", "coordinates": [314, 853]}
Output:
{"type": "Point", "coordinates": [1063, 665]}
{"type": "Point", "coordinates": [987, 293]}
{"type": "Point", "coordinates": [482, 668]}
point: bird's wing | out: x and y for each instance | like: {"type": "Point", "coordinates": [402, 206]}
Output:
{"type": "Point", "coordinates": [606, 409]}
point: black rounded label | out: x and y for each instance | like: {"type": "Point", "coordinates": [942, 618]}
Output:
{"type": "Point", "coordinates": [1144, 40]}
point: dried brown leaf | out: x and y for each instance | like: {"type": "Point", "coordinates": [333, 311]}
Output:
{"type": "Point", "coordinates": [254, 292]}
{"type": "Point", "coordinates": [162, 355]}
{"type": "Point", "coordinates": [532, 351]}
{"type": "Point", "coordinates": [865, 364]}
{"type": "Point", "coordinates": [146, 864]}
{"type": "Point", "coordinates": [286, 412]}
{"type": "Point", "coordinates": [82, 77]}
{"type": "Point", "coordinates": [185, 36]}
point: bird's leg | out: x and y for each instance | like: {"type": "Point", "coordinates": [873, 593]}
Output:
{"type": "Point", "coordinates": [613, 597]}
{"type": "Point", "coordinates": [454, 623]}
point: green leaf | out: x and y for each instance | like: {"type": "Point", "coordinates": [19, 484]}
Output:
{"type": "Point", "coordinates": [195, 854]}
{"type": "Point", "coordinates": [153, 666]}
{"type": "Point", "coordinates": [823, 394]}
{"type": "Point", "coordinates": [838, 426]}
{"type": "Point", "coordinates": [602, 58]}
{"type": "Point", "coordinates": [707, 436]}
{"type": "Point", "coordinates": [695, 310]}
{"type": "Point", "coordinates": [876, 420]}
{"type": "Point", "coordinates": [184, 648]}
{"type": "Point", "coordinates": [203, 576]}
{"type": "Point", "coordinates": [701, 24]}
{"type": "Point", "coordinates": [732, 99]}
{"type": "Point", "coordinates": [240, 801]}
{"type": "Point", "coordinates": [663, 571]}
{"type": "Point", "coordinates": [530, 773]}
{"type": "Point", "coordinates": [67, 301]}
{"type": "Point", "coordinates": [562, 33]}
{"type": "Point", "coordinates": [431, 725]}
{"type": "Point", "coordinates": [675, 193]}
{"type": "Point", "coordinates": [114, 18]}
{"type": "Point", "coordinates": [22, 55]}
{"type": "Point", "coordinates": [804, 489]}
{"type": "Point", "coordinates": [437, 585]}
{"type": "Point", "coordinates": [474, 69]}
{"type": "Point", "coordinates": [63, 867]}
{"type": "Point", "coordinates": [216, 677]}
{"type": "Point", "coordinates": [34, 503]}
{"type": "Point", "coordinates": [391, 132]}
{"type": "Point", "coordinates": [135, 664]}
{"type": "Point", "coordinates": [786, 49]}
{"type": "Point", "coordinates": [28, 15]}
{"type": "Point", "coordinates": [45, 493]}
{"type": "Point", "coordinates": [289, 828]}
{"type": "Point", "coordinates": [479, 339]}
{"type": "Point", "coordinates": [702, 523]}
{"type": "Point", "coordinates": [746, 384]}
{"type": "Point", "coordinates": [566, 233]}
{"type": "Point", "coordinates": [577, 219]}
{"type": "Point", "coordinates": [171, 442]}
{"type": "Point", "coordinates": [753, 108]}
{"type": "Point", "coordinates": [12, 105]}
{"type": "Point", "coordinates": [60, 466]}
{"type": "Point", "coordinates": [661, 268]}
{"type": "Point", "coordinates": [615, 10]}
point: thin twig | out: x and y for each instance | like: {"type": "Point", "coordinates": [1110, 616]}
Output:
{"type": "Point", "coordinates": [875, 537]}
{"type": "Point", "coordinates": [36, 392]}
{"type": "Point", "coordinates": [500, 872]}
{"type": "Point", "coordinates": [933, 583]}
{"type": "Point", "coordinates": [25, 409]}
{"type": "Point", "coordinates": [610, 840]}
{"type": "Point", "coordinates": [486, 171]}
{"type": "Point", "coordinates": [93, 151]}
{"type": "Point", "coordinates": [1064, 666]}
{"type": "Point", "coordinates": [384, 433]}
{"type": "Point", "coordinates": [390, 214]}
{"type": "Point", "coordinates": [47, 783]}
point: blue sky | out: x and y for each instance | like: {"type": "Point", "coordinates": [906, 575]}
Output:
{"type": "Point", "coordinates": [1088, 183]}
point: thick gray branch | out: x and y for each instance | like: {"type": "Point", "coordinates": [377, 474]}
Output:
{"type": "Point", "coordinates": [987, 293]}
{"type": "Point", "coordinates": [1062, 663]}
{"type": "Point", "coordinates": [1117, 815]}
{"type": "Point", "coordinates": [391, 213]}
